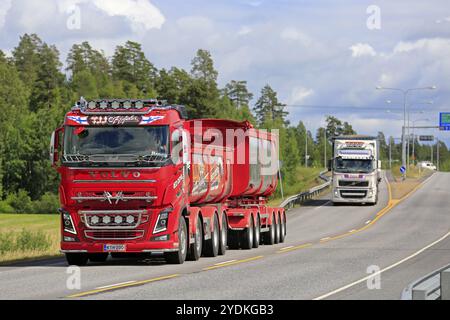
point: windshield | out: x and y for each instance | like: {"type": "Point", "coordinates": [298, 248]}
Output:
{"type": "Point", "coordinates": [353, 165]}
{"type": "Point", "coordinates": [116, 144]}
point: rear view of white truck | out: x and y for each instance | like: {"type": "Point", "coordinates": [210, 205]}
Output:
{"type": "Point", "coordinates": [355, 169]}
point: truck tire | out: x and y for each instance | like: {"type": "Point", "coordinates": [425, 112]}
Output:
{"type": "Point", "coordinates": [98, 257]}
{"type": "Point", "coordinates": [211, 246]}
{"type": "Point", "coordinates": [277, 231]}
{"type": "Point", "coordinates": [179, 256]}
{"type": "Point", "coordinates": [283, 229]}
{"type": "Point", "coordinates": [195, 250]}
{"type": "Point", "coordinates": [257, 233]}
{"type": "Point", "coordinates": [223, 236]}
{"type": "Point", "coordinates": [269, 236]}
{"type": "Point", "coordinates": [248, 235]}
{"type": "Point", "coordinates": [76, 259]}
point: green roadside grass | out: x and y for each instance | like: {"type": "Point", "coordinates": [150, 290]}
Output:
{"type": "Point", "coordinates": [24, 236]}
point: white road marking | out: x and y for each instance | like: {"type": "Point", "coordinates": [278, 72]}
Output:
{"type": "Point", "coordinates": [368, 221]}
{"type": "Point", "coordinates": [353, 230]}
{"type": "Point", "coordinates": [220, 263]}
{"type": "Point", "coordinates": [326, 238]}
{"type": "Point", "coordinates": [116, 284]}
{"type": "Point", "coordinates": [323, 205]}
{"type": "Point", "coordinates": [286, 247]}
{"type": "Point", "coordinates": [383, 270]}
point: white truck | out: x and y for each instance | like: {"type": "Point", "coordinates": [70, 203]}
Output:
{"type": "Point", "coordinates": [356, 169]}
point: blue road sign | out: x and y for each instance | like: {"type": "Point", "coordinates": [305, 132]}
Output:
{"type": "Point", "coordinates": [402, 169]}
{"type": "Point", "coordinates": [444, 121]}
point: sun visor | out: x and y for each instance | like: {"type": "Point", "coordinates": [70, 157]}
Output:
{"type": "Point", "coordinates": [355, 154]}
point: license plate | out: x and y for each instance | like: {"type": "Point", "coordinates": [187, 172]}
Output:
{"type": "Point", "coordinates": [114, 247]}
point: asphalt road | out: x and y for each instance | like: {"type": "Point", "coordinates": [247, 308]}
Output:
{"type": "Point", "coordinates": [327, 249]}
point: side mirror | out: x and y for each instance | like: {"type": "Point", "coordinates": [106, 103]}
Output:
{"type": "Point", "coordinates": [330, 164]}
{"type": "Point", "coordinates": [54, 146]}
{"type": "Point", "coordinates": [379, 164]}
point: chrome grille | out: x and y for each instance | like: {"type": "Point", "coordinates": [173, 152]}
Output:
{"type": "Point", "coordinates": [114, 234]}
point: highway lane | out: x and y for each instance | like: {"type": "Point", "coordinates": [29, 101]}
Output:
{"type": "Point", "coordinates": [319, 269]}
{"type": "Point", "coordinates": [47, 279]}
{"type": "Point", "coordinates": [270, 273]}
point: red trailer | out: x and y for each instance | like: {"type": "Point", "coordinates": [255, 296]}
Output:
{"type": "Point", "coordinates": [137, 177]}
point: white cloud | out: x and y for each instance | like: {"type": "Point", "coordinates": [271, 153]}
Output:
{"type": "Point", "coordinates": [435, 45]}
{"type": "Point", "coordinates": [244, 31]}
{"type": "Point", "coordinates": [362, 49]}
{"type": "Point", "coordinates": [140, 13]}
{"type": "Point", "coordinates": [194, 24]}
{"type": "Point", "coordinates": [5, 5]}
{"type": "Point", "coordinates": [299, 95]}
{"type": "Point", "coordinates": [292, 34]}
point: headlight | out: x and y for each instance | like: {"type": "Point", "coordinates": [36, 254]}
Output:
{"type": "Point", "coordinates": [163, 218]}
{"type": "Point", "coordinates": [67, 222]}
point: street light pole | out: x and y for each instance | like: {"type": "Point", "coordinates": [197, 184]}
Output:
{"type": "Point", "coordinates": [414, 137]}
{"type": "Point", "coordinates": [306, 148]}
{"type": "Point", "coordinates": [405, 96]}
{"type": "Point", "coordinates": [325, 149]}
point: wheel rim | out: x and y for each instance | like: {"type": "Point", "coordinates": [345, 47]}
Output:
{"type": "Point", "coordinates": [250, 233]}
{"type": "Point", "coordinates": [216, 234]}
{"type": "Point", "coordinates": [198, 238]}
{"type": "Point", "coordinates": [183, 241]}
{"type": "Point", "coordinates": [224, 233]}
{"type": "Point", "coordinates": [257, 231]}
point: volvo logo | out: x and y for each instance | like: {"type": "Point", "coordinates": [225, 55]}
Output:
{"type": "Point", "coordinates": [110, 197]}
{"type": "Point", "coordinates": [115, 174]}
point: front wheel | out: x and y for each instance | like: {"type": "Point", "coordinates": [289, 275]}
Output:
{"type": "Point", "coordinates": [77, 259]}
{"type": "Point", "coordinates": [179, 256]}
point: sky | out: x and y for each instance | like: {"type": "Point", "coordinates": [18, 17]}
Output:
{"type": "Point", "coordinates": [322, 57]}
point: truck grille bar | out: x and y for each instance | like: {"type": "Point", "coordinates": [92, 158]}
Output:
{"type": "Point", "coordinates": [114, 234]}
{"type": "Point", "coordinates": [108, 196]}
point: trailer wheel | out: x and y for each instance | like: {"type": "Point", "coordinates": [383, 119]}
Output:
{"type": "Point", "coordinates": [179, 256]}
{"type": "Point", "coordinates": [283, 229]}
{"type": "Point", "coordinates": [277, 231]}
{"type": "Point", "coordinates": [257, 233]}
{"type": "Point", "coordinates": [77, 259]}
{"type": "Point", "coordinates": [269, 236]}
{"type": "Point", "coordinates": [211, 247]}
{"type": "Point", "coordinates": [195, 250]}
{"type": "Point", "coordinates": [248, 235]}
{"type": "Point", "coordinates": [98, 257]}
{"type": "Point", "coordinates": [223, 236]}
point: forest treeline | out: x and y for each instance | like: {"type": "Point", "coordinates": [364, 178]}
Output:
{"type": "Point", "coordinates": [36, 91]}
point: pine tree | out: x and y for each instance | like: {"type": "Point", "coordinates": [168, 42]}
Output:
{"type": "Point", "coordinates": [130, 64]}
{"type": "Point", "coordinates": [238, 93]}
{"type": "Point", "coordinates": [268, 106]}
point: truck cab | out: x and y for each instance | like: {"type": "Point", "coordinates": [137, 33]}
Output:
{"type": "Point", "coordinates": [119, 182]}
{"type": "Point", "coordinates": [355, 169]}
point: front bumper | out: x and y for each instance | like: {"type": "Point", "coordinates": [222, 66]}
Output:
{"type": "Point", "coordinates": [345, 195]}
{"type": "Point", "coordinates": [130, 247]}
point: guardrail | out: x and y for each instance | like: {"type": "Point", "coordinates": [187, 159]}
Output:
{"type": "Point", "coordinates": [434, 286]}
{"type": "Point", "coordinates": [302, 197]}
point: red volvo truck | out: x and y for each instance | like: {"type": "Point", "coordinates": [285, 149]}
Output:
{"type": "Point", "coordinates": [139, 178]}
